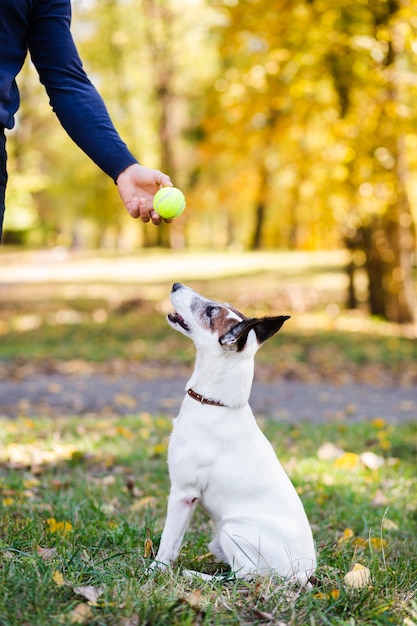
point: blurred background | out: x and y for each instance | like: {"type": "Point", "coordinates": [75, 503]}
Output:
{"type": "Point", "coordinates": [289, 125]}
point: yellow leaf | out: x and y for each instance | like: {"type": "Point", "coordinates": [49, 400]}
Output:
{"type": "Point", "coordinates": [146, 501]}
{"type": "Point", "coordinates": [58, 527]}
{"type": "Point", "coordinates": [29, 483]}
{"type": "Point", "coordinates": [378, 422]}
{"type": "Point", "coordinates": [346, 535]}
{"type": "Point", "coordinates": [81, 614]}
{"type": "Point", "coordinates": [8, 501]}
{"type": "Point", "coordinates": [160, 448]}
{"type": "Point", "coordinates": [358, 577]}
{"type": "Point", "coordinates": [148, 545]}
{"type": "Point", "coordinates": [360, 542]}
{"type": "Point", "coordinates": [125, 432]}
{"type": "Point", "coordinates": [58, 578]}
{"type": "Point", "coordinates": [334, 594]}
{"type": "Point", "coordinates": [378, 543]}
{"type": "Point", "coordinates": [348, 460]}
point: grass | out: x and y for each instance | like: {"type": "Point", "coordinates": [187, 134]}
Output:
{"type": "Point", "coordinates": [83, 501]}
{"type": "Point", "coordinates": [140, 333]}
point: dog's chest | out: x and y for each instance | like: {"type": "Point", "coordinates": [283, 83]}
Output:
{"type": "Point", "coordinates": [216, 443]}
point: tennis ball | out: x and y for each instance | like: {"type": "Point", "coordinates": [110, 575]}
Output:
{"type": "Point", "coordinates": [169, 202]}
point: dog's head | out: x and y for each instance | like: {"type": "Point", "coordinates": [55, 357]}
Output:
{"type": "Point", "coordinates": [216, 325]}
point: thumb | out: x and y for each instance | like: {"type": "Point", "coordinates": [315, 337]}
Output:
{"type": "Point", "coordinates": [163, 179]}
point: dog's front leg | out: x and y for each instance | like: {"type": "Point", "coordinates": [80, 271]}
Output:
{"type": "Point", "coordinates": [180, 509]}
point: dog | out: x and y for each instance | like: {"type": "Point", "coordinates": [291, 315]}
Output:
{"type": "Point", "coordinates": [218, 456]}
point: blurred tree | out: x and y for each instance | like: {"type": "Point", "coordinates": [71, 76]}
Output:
{"type": "Point", "coordinates": [370, 64]}
{"type": "Point", "coordinates": [265, 121]}
{"type": "Point", "coordinates": [315, 100]}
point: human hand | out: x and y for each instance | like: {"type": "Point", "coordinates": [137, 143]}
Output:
{"type": "Point", "coordinates": [137, 186]}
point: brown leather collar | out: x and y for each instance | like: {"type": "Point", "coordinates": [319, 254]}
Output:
{"type": "Point", "coordinates": [202, 399]}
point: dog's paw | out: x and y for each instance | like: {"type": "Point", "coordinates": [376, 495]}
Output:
{"type": "Point", "coordinates": [156, 566]}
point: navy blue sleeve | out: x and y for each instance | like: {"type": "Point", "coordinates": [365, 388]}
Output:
{"type": "Point", "coordinates": [76, 102]}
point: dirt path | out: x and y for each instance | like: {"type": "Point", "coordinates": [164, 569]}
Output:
{"type": "Point", "coordinates": [58, 394]}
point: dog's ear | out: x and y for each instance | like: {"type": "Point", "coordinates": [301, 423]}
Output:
{"type": "Point", "coordinates": [264, 328]}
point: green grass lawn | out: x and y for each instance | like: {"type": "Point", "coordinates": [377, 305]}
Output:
{"type": "Point", "coordinates": [82, 501]}
{"type": "Point", "coordinates": [82, 507]}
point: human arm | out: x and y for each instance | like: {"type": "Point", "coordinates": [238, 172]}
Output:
{"type": "Point", "coordinates": [81, 110]}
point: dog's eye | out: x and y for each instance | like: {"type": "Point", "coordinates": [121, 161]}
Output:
{"type": "Point", "coordinates": [210, 310]}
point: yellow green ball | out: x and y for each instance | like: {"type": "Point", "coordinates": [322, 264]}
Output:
{"type": "Point", "coordinates": [169, 202]}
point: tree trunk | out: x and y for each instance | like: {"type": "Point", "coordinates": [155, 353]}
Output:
{"type": "Point", "coordinates": [260, 209]}
{"type": "Point", "coordinates": [159, 36]}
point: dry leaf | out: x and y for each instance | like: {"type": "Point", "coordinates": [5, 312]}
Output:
{"type": "Point", "coordinates": [371, 460]}
{"type": "Point", "coordinates": [388, 524]}
{"type": "Point", "coordinates": [58, 579]}
{"type": "Point", "coordinates": [46, 553]}
{"type": "Point", "coordinates": [358, 577]}
{"type": "Point", "coordinates": [345, 536]}
{"type": "Point", "coordinates": [7, 554]}
{"type": "Point", "coordinates": [148, 551]}
{"type": "Point", "coordinates": [89, 592]}
{"type": "Point", "coordinates": [329, 452]}
{"type": "Point", "coordinates": [193, 599]}
{"type": "Point", "coordinates": [146, 501]}
{"type": "Point", "coordinates": [81, 614]}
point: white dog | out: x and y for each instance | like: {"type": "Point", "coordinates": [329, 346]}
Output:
{"type": "Point", "coordinates": [218, 456]}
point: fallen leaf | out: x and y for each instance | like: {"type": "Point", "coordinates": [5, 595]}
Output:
{"type": "Point", "coordinates": [46, 553]}
{"type": "Point", "coordinates": [345, 536]}
{"type": "Point", "coordinates": [146, 501]}
{"type": "Point", "coordinates": [334, 594]}
{"type": "Point", "coordinates": [329, 452]}
{"type": "Point", "coordinates": [378, 543]}
{"type": "Point", "coordinates": [348, 460]}
{"type": "Point", "coordinates": [388, 524]}
{"type": "Point", "coordinates": [62, 528]}
{"type": "Point", "coordinates": [358, 577]}
{"type": "Point", "coordinates": [89, 592]}
{"type": "Point", "coordinates": [371, 460]}
{"type": "Point", "coordinates": [80, 614]}
{"type": "Point", "coordinates": [58, 579]}
{"type": "Point", "coordinates": [379, 422]}
{"type": "Point", "coordinates": [379, 499]}
{"type": "Point", "coordinates": [360, 542]}
{"type": "Point", "coordinates": [148, 551]}
{"type": "Point", "coordinates": [193, 599]}
{"type": "Point", "coordinates": [7, 554]}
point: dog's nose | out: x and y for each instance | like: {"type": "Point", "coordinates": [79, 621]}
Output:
{"type": "Point", "coordinates": [176, 286]}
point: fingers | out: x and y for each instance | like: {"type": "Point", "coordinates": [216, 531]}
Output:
{"type": "Point", "coordinates": [138, 208]}
{"type": "Point", "coordinates": [137, 186]}
{"type": "Point", "coordinates": [163, 180]}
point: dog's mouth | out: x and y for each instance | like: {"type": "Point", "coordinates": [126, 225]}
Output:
{"type": "Point", "coordinates": [175, 318]}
